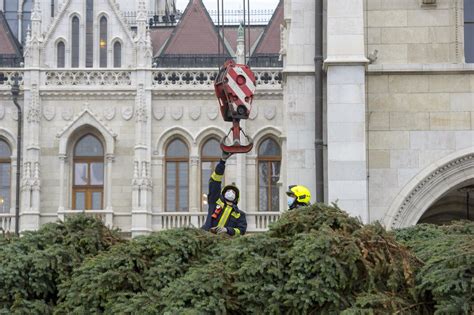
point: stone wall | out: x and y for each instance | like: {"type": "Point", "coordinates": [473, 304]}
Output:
{"type": "Point", "coordinates": [406, 32]}
{"type": "Point", "coordinates": [414, 120]}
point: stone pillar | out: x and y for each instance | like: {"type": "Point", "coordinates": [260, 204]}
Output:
{"type": "Point", "coordinates": [109, 160]}
{"type": "Point", "coordinates": [298, 93]}
{"type": "Point", "coordinates": [62, 167]}
{"type": "Point", "coordinates": [346, 126]}
{"type": "Point", "coordinates": [194, 200]}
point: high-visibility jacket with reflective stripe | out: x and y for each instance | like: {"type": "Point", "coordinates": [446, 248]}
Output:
{"type": "Point", "coordinates": [229, 217]}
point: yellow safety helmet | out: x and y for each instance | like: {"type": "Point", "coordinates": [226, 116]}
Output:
{"type": "Point", "coordinates": [301, 193]}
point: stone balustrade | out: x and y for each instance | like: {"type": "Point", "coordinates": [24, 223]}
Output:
{"type": "Point", "coordinates": [93, 78]}
{"type": "Point", "coordinates": [104, 215]}
{"type": "Point", "coordinates": [7, 75]}
{"type": "Point", "coordinates": [7, 223]}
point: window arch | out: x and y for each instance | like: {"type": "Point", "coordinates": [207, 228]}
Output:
{"type": "Point", "coordinates": [88, 174]}
{"type": "Point", "coordinates": [177, 176]}
{"type": "Point", "coordinates": [75, 42]}
{"type": "Point", "coordinates": [269, 163]}
{"type": "Point", "coordinates": [469, 30]}
{"type": "Point", "coordinates": [61, 54]}
{"type": "Point", "coordinates": [210, 156]}
{"type": "Point", "coordinates": [103, 42]}
{"type": "Point", "coordinates": [5, 176]}
{"type": "Point", "coordinates": [117, 54]}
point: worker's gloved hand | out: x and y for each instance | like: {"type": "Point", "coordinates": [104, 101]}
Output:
{"type": "Point", "coordinates": [225, 155]}
{"type": "Point", "coordinates": [221, 230]}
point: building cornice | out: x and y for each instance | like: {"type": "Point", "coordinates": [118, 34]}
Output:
{"type": "Point", "coordinates": [419, 68]}
{"type": "Point", "coordinates": [345, 61]}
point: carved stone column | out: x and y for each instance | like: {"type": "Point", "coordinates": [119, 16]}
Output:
{"type": "Point", "coordinates": [109, 160]}
{"type": "Point", "coordinates": [62, 188]}
{"type": "Point", "coordinates": [193, 188]}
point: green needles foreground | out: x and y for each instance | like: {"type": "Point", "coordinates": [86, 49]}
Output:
{"type": "Point", "coordinates": [316, 260]}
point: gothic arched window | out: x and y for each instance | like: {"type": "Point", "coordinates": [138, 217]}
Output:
{"type": "Point", "coordinates": [210, 156]}
{"type": "Point", "coordinates": [103, 42]}
{"type": "Point", "coordinates": [117, 54]}
{"type": "Point", "coordinates": [88, 184]}
{"type": "Point", "coordinates": [269, 162]}
{"type": "Point", "coordinates": [61, 51]}
{"type": "Point", "coordinates": [177, 176]}
{"type": "Point", "coordinates": [5, 176]}
{"type": "Point", "coordinates": [75, 41]}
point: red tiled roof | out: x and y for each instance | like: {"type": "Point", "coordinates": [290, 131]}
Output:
{"type": "Point", "coordinates": [270, 42]}
{"type": "Point", "coordinates": [231, 32]}
{"type": "Point", "coordinates": [8, 44]}
{"type": "Point", "coordinates": [195, 33]}
{"type": "Point", "coordinates": [159, 36]}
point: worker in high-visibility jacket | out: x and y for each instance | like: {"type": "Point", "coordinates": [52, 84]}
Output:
{"type": "Point", "coordinates": [224, 217]}
{"type": "Point", "coordinates": [298, 196]}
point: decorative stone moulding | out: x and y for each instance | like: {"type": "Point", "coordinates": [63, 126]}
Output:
{"type": "Point", "coordinates": [253, 113]}
{"type": "Point", "coordinates": [270, 112]}
{"type": "Point", "coordinates": [177, 112]}
{"type": "Point", "coordinates": [127, 112]}
{"type": "Point", "coordinates": [49, 112]}
{"type": "Point", "coordinates": [195, 113]}
{"type": "Point", "coordinates": [2, 111]}
{"type": "Point", "coordinates": [421, 196]}
{"type": "Point", "coordinates": [189, 79]}
{"type": "Point", "coordinates": [88, 78]}
{"type": "Point", "coordinates": [67, 113]}
{"type": "Point", "coordinates": [109, 113]}
{"type": "Point", "coordinates": [6, 78]}
{"type": "Point", "coordinates": [212, 112]}
{"type": "Point", "coordinates": [159, 112]}
{"type": "Point", "coordinates": [14, 113]}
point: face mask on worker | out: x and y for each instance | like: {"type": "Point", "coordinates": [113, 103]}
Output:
{"type": "Point", "coordinates": [291, 200]}
{"type": "Point", "coordinates": [230, 195]}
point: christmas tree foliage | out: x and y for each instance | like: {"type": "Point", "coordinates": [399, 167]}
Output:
{"type": "Point", "coordinates": [315, 260]}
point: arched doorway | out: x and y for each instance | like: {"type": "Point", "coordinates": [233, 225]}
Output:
{"type": "Point", "coordinates": [435, 195]}
{"type": "Point", "coordinates": [456, 204]}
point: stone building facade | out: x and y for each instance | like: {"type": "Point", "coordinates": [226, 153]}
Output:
{"type": "Point", "coordinates": [398, 114]}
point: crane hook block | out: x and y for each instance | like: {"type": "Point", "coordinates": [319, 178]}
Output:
{"type": "Point", "coordinates": [235, 87]}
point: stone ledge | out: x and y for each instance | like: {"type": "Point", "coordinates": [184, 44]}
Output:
{"type": "Point", "coordinates": [418, 68]}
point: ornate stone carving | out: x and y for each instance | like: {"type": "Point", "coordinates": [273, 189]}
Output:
{"type": "Point", "coordinates": [6, 78]}
{"type": "Point", "coordinates": [142, 175]}
{"type": "Point", "coordinates": [141, 114]}
{"type": "Point", "coordinates": [270, 112]}
{"type": "Point", "coordinates": [109, 112]}
{"type": "Point", "coordinates": [192, 79]}
{"type": "Point", "coordinates": [159, 112]}
{"type": "Point", "coordinates": [67, 113]}
{"type": "Point", "coordinates": [195, 113]}
{"type": "Point", "coordinates": [88, 78]}
{"type": "Point", "coordinates": [212, 112]}
{"type": "Point", "coordinates": [2, 111]}
{"type": "Point", "coordinates": [177, 112]}
{"type": "Point", "coordinates": [127, 112]}
{"type": "Point", "coordinates": [49, 112]}
{"type": "Point", "coordinates": [33, 115]}
{"type": "Point", "coordinates": [254, 113]}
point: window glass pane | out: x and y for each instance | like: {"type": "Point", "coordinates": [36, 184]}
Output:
{"type": "Point", "coordinates": [80, 200]}
{"type": "Point", "coordinates": [11, 14]}
{"type": "Point", "coordinates": [469, 42]}
{"type": "Point", "coordinates": [5, 152]}
{"type": "Point", "coordinates": [183, 175]}
{"type": "Point", "coordinates": [211, 149]}
{"type": "Point", "coordinates": [103, 42]}
{"type": "Point", "coordinates": [89, 33]}
{"type": "Point", "coordinates": [97, 173]}
{"type": "Point", "coordinates": [171, 186]}
{"type": "Point", "coordinates": [89, 146]}
{"type": "Point", "coordinates": [275, 199]}
{"type": "Point", "coordinates": [80, 174]}
{"type": "Point", "coordinates": [177, 148]}
{"type": "Point", "coordinates": [117, 55]}
{"type": "Point", "coordinates": [96, 200]}
{"type": "Point", "coordinates": [75, 42]}
{"type": "Point", "coordinates": [61, 53]}
{"type": "Point", "coordinates": [468, 11]}
{"type": "Point", "coordinates": [26, 18]}
{"type": "Point", "coordinates": [5, 177]}
{"type": "Point", "coordinates": [269, 148]}
{"type": "Point", "coordinates": [263, 185]}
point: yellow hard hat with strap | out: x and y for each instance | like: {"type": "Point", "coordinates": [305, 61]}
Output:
{"type": "Point", "coordinates": [301, 193]}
